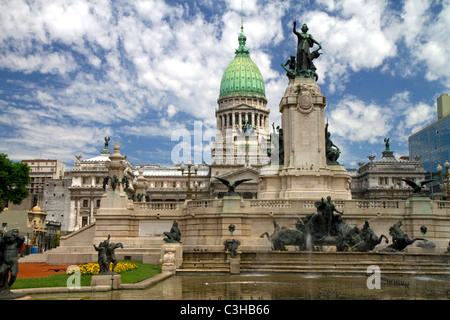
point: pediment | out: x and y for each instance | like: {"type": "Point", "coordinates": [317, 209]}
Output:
{"type": "Point", "coordinates": [241, 173]}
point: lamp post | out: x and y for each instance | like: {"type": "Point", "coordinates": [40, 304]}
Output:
{"type": "Point", "coordinates": [189, 173]}
{"type": "Point", "coordinates": [446, 180]}
{"type": "Point", "coordinates": [393, 190]}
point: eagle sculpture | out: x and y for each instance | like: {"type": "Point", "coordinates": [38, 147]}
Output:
{"type": "Point", "coordinates": [417, 186]}
{"type": "Point", "coordinates": [231, 185]}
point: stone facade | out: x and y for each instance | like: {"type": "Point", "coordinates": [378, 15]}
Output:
{"type": "Point", "coordinates": [381, 179]}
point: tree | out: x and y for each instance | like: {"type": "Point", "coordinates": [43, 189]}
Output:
{"type": "Point", "coordinates": [14, 179]}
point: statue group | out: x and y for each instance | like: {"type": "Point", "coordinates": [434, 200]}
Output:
{"type": "Point", "coordinates": [106, 256]}
{"type": "Point", "coordinates": [302, 65]}
{"type": "Point", "coordinates": [324, 228]}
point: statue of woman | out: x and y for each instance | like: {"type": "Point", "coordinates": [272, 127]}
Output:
{"type": "Point", "coordinates": [305, 67]}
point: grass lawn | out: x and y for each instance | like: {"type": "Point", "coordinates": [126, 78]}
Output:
{"type": "Point", "coordinates": [143, 271]}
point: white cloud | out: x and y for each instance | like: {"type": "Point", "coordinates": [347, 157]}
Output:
{"type": "Point", "coordinates": [358, 121]}
{"type": "Point", "coordinates": [109, 65]}
{"type": "Point", "coordinates": [411, 116]}
{"type": "Point", "coordinates": [352, 40]}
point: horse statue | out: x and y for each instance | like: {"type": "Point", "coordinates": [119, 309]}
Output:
{"type": "Point", "coordinates": [283, 237]}
{"type": "Point", "coordinates": [369, 240]}
{"type": "Point", "coordinates": [400, 240]}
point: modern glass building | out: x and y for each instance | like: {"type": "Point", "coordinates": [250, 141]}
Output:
{"type": "Point", "coordinates": [432, 143]}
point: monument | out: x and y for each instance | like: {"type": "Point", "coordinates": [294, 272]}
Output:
{"type": "Point", "coordinates": [310, 169]}
{"type": "Point", "coordinates": [304, 197]}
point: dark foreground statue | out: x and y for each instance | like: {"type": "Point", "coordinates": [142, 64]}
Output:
{"type": "Point", "coordinates": [10, 243]}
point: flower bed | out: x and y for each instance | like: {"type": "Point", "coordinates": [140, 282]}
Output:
{"type": "Point", "coordinates": [93, 268]}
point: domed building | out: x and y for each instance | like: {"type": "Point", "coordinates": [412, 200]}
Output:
{"type": "Point", "coordinates": [242, 117]}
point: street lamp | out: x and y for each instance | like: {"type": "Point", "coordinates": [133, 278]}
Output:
{"type": "Point", "coordinates": [446, 180]}
{"type": "Point", "coordinates": [189, 173]}
{"type": "Point", "coordinates": [393, 190]}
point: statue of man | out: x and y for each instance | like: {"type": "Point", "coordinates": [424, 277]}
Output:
{"type": "Point", "coordinates": [305, 67]}
{"type": "Point", "coordinates": [331, 153]}
{"type": "Point", "coordinates": [328, 213]}
{"type": "Point", "coordinates": [10, 244]}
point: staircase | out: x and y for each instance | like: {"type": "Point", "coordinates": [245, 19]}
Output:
{"type": "Point", "coordinates": [345, 262]}
{"type": "Point", "coordinates": [204, 261]}
{"type": "Point", "coordinates": [339, 263]}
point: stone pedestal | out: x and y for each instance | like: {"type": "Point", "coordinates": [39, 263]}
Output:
{"type": "Point", "coordinates": [112, 281]}
{"type": "Point", "coordinates": [305, 173]}
{"type": "Point", "coordinates": [235, 265]}
{"type": "Point", "coordinates": [171, 257]}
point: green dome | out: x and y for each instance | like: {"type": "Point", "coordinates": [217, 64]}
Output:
{"type": "Point", "coordinates": [242, 76]}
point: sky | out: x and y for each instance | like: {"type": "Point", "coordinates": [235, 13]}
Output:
{"type": "Point", "coordinates": [140, 72]}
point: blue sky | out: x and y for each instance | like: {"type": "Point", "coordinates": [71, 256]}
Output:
{"type": "Point", "coordinates": [75, 71]}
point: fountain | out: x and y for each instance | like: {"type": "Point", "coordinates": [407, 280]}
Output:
{"type": "Point", "coordinates": [232, 234]}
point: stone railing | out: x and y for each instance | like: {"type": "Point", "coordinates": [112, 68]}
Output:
{"type": "Point", "coordinates": [200, 204]}
{"type": "Point", "coordinates": [376, 204]}
{"type": "Point", "coordinates": [158, 205]}
{"type": "Point", "coordinates": [442, 205]}
{"type": "Point", "coordinates": [293, 206]}
{"type": "Point", "coordinates": [270, 203]}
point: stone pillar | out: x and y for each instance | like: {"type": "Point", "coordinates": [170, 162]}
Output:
{"type": "Point", "coordinates": [303, 122]}
{"type": "Point", "coordinates": [304, 173]}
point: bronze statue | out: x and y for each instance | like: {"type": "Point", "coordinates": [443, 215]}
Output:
{"type": "Point", "coordinates": [282, 237]}
{"type": "Point", "coordinates": [417, 186]}
{"type": "Point", "coordinates": [292, 67]}
{"type": "Point", "coordinates": [106, 255]}
{"type": "Point", "coordinates": [331, 153]}
{"type": "Point", "coordinates": [110, 254]}
{"type": "Point", "coordinates": [327, 209]}
{"type": "Point", "coordinates": [102, 258]}
{"type": "Point", "coordinates": [114, 182]}
{"type": "Point", "coordinates": [386, 142]}
{"type": "Point", "coordinates": [305, 67]}
{"type": "Point", "coordinates": [369, 240]}
{"type": "Point", "coordinates": [174, 236]}
{"type": "Point", "coordinates": [231, 185]}
{"type": "Point", "coordinates": [400, 240]}
{"type": "Point", "coordinates": [232, 245]}
{"type": "Point", "coordinates": [105, 181]}
{"type": "Point", "coordinates": [10, 243]}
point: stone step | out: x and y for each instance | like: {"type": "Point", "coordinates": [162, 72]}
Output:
{"type": "Point", "coordinates": [227, 270]}
{"type": "Point", "coordinates": [34, 258]}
